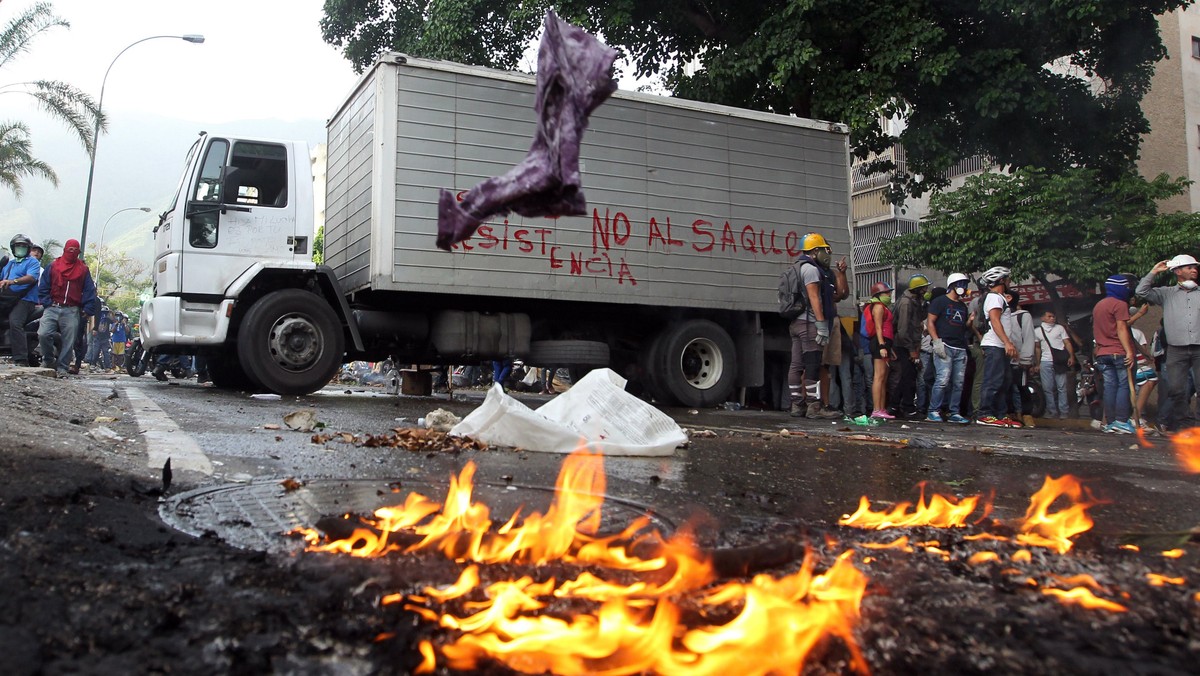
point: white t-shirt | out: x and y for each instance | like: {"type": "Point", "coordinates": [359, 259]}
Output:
{"type": "Point", "coordinates": [991, 338]}
{"type": "Point", "coordinates": [1053, 337]}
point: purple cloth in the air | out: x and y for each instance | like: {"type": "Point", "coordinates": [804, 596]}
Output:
{"type": "Point", "coordinates": [574, 77]}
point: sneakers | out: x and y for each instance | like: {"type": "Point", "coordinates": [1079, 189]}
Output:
{"type": "Point", "coordinates": [1012, 422]}
{"type": "Point", "coordinates": [882, 415]}
{"type": "Point", "coordinates": [816, 410]}
{"type": "Point", "coordinates": [1099, 426]}
{"type": "Point", "coordinates": [934, 416]}
{"type": "Point", "coordinates": [991, 421]}
{"type": "Point", "coordinates": [958, 419]}
{"type": "Point", "coordinates": [1120, 427]}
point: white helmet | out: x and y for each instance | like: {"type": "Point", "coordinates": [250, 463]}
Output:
{"type": "Point", "coordinates": [994, 275]}
{"type": "Point", "coordinates": [1181, 260]}
{"type": "Point", "coordinates": [955, 278]}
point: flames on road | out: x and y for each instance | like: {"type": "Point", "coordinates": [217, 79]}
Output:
{"type": "Point", "coordinates": [651, 603]}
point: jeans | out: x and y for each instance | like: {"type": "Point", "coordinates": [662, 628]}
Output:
{"type": "Point", "coordinates": [866, 365]}
{"type": "Point", "coordinates": [1180, 360]}
{"type": "Point", "coordinates": [841, 385]}
{"type": "Point", "coordinates": [1054, 386]}
{"type": "Point", "coordinates": [997, 380]}
{"type": "Point", "coordinates": [64, 321]}
{"type": "Point", "coordinates": [948, 374]}
{"type": "Point", "coordinates": [925, 384]}
{"type": "Point", "coordinates": [1116, 387]}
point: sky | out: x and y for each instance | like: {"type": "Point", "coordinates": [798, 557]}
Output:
{"type": "Point", "coordinates": [262, 69]}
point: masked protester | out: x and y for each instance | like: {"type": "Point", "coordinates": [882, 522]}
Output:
{"type": "Point", "coordinates": [998, 350]}
{"type": "Point", "coordinates": [911, 310]}
{"type": "Point", "coordinates": [1114, 352]}
{"type": "Point", "coordinates": [947, 325]}
{"type": "Point", "coordinates": [18, 294]}
{"type": "Point", "coordinates": [1181, 330]}
{"type": "Point", "coordinates": [68, 294]}
{"type": "Point", "coordinates": [822, 287]}
{"type": "Point", "coordinates": [879, 329]}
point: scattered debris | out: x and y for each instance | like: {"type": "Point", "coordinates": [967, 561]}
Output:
{"type": "Point", "coordinates": [440, 420]}
{"type": "Point", "coordinates": [304, 420]}
{"type": "Point", "coordinates": [291, 484]}
{"type": "Point", "coordinates": [102, 433]}
{"type": "Point", "coordinates": [408, 438]}
{"type": "Point", "coordinates": [272, 426]}
{"type": "Point", "coordinates": [266, 396]}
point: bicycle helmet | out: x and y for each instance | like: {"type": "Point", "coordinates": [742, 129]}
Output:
{"type": "Point", "coordinates": [994, 275]}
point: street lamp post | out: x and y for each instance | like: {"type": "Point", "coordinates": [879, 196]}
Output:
{"type": "Point", "coordinates": [87, 201]}
{"type": "Point", "coordinates": [100, 250]}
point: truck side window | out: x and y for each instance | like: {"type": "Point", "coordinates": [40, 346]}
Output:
{"type": "Point", "coordinates": [202, 226]}
{"type": "Point", "coordinates": [257, 175]}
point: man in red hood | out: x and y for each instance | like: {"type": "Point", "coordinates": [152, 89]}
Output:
{"type": "Point", "coordinates": [68, 294]}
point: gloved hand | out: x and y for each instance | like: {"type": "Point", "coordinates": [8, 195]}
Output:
{"type": "Point", "coordinates": [822, 333]}
{"type": "Point", "coordinates": [939, 348]}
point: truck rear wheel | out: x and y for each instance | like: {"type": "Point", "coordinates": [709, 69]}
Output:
{"type": "Point", "coordinates": [291, 342]}
{"type": "Point", "coordinates": [695, 363]}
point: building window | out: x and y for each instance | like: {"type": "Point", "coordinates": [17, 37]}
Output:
{"type": "Point", "coordinates": [1195, 47]}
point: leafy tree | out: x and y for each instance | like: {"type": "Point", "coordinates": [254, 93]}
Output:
{"type": "Point", "coordinates": [61, 100]}
{"type": "Point", "coordinates": [318, 247]}
{"type": "Point", "coordinates": [1070, 225]}
{"type": "Point", "coordinates": [120, 279]}
{"type": "Point", "coordinates": [970, 78]}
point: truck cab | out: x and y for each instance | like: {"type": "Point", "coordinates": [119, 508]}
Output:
{"type": "Point", "coordinates": [241, 217]}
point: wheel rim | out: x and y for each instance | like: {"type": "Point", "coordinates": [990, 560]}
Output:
{"type": "Point", "coordinates": [701, 363]}
{"type": "Point", "coordinates": [295, 342]}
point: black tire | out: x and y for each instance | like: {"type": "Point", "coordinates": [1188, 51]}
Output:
{"type": "Point", "coordinates": [695, 363]}
{"type": "Point", "coordinates": [291, 342]}
{"type": "Point", "coordinates": [135, 360]}
{"type": "Point", "coordinates": [227, 373]}
{"type": "Point", "coordinates": [545, 353]}
{"type": "Point", "coordinates": [648, 367]}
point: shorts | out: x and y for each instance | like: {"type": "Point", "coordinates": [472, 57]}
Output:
{"type": "Point", "coordinates": [1145, 374]}
{"type": "Point", "coordinates": [832, 354]}
{"type": "Point", "coordinates": [118, 347]}
{"type": "Point", "coordinates": [876, 347]}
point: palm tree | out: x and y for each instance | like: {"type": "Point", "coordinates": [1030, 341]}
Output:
{"type": "Point", "coordinates": [60, 99]}
{"type": "Point", "coordinates": [17, 160]}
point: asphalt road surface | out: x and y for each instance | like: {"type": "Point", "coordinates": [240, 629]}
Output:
{"type": "Point", "coordinates": [744, 471]}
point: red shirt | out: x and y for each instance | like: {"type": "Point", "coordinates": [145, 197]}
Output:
{"type": "Point", "coordinates": [1105, 316]}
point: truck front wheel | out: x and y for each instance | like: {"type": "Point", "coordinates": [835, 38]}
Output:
{"type": "Point", "coordinates": [291, 342]}
{"type": "Point", "coordinates": [695, 363]}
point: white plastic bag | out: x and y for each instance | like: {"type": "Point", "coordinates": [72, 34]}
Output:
{"type": "Point", "coordinates": [596, 412]}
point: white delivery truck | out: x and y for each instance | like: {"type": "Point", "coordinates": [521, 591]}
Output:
{"type": "Point", "coordinates": [694, 210]}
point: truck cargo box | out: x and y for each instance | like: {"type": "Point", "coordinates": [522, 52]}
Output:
{"type": "Point", "coordinates": [690, 205]}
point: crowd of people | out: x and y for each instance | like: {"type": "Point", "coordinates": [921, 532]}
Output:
{"type": "Point", "coordinates": [961, 355]}
{"type": "Point", "coordinates": [65, 295]}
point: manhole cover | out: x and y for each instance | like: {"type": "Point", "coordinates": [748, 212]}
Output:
{"type": "Point", "coordinates": [256, 515]}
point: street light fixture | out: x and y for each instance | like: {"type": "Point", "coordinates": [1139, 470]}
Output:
{"type": "Point", "coordinates": [100, 250]}
{"type": "Point", "coordinates": [87, 201]}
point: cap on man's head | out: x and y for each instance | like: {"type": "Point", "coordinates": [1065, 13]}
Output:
{"type": "Point", "coordinates": [1180, 261]}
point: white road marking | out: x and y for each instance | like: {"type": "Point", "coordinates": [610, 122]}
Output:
{"type": "Point", "coordinates": [163, 437]}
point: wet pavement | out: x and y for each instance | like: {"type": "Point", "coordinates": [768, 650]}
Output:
{"type": "Point", "coordinates": [748, 474]}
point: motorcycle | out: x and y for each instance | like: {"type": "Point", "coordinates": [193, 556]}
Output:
{"type": "Point", "coordinates": [31, 336]}
{"type": "Point", "coordinates": [137, 359]}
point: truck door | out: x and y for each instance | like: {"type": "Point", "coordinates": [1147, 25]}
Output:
{"type": "Point", "coordinates": [241, 211]}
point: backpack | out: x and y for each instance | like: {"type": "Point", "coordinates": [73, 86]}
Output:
{"type": "Point", "coordinates": [982, 324]}
{"type": "Point", "coordinates": [793, 301]}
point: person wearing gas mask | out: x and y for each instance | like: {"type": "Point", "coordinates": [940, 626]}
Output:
{"type": "Point", "coordinates": [911, 313]}
{"type": "Point", "coordinates": [811, 331]}
{"type": "Point", "coordinates": [1181, 327]}
{"type": "Point", "coordinates": [18, 294]}
{"type": "Point", "coordinates": [947, 325]}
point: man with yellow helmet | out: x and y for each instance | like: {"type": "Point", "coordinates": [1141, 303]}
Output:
{"type": "Point", "coordinates": [911, 311]}
{"type": "Point", "coordinates": [820, 289]}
